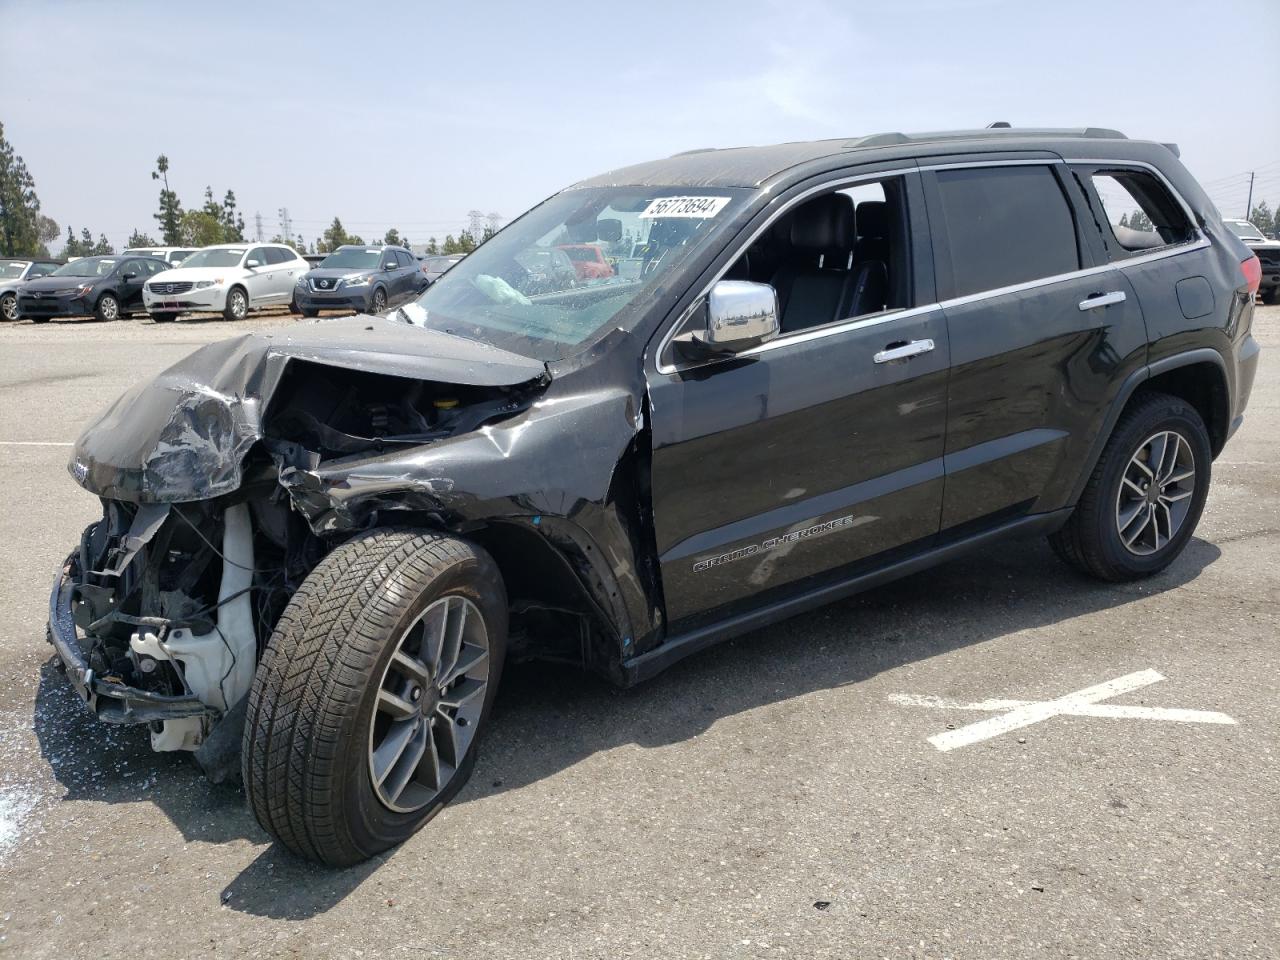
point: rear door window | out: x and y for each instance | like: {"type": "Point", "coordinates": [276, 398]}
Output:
{"type": "Point", "coordinates": [1004, 226]}
{"type": "Point", "coordinates": [1138, 213]}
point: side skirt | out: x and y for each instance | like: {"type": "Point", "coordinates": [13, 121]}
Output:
{"type": "Point", "coordinates": [647, 665]}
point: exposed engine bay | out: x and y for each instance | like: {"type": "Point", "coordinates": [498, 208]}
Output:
{"type": "Point", "coordinates": [173, 602]}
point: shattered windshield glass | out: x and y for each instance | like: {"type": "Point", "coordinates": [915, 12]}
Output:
{"type": "Point", "coordinates": [521, 291]}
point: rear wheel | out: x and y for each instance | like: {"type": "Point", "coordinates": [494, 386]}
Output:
{"type": "Point", "coordinates": [1144, 498]}
{"type": "Point", "coordinates": [9, 306]}
{"type": "Point", "coordinates": [237, 307]}
{"type": "Point", "coordinates": [108, 308]}
{"type": "Point", "coordinates": [371, 694]}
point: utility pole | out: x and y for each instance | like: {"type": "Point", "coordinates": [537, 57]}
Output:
{"type": "Point", "coordinates": [477, 221]}
{"type": "Point", "coordinates": [1248, 207]}
{"type": "Point", "coordinates": [285, 225]}
{"type": "Point", "coordinates": [495, 219]}
{"type": "Point", "coordinates": [257, 225]}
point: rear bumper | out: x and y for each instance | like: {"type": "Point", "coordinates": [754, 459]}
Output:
{"type": "Point", "coordinates": [110, 702]}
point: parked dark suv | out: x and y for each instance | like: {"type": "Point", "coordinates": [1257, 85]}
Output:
{"type": "Point", "coordinates": [832, 364]}
{"type": "Point", "coordinates": [365, 279]}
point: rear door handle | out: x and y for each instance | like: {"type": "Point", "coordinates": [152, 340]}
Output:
{"type": "Point", "coordinates": [1096, 300]}
{"type": "Point", "coordinates": [912, 349]}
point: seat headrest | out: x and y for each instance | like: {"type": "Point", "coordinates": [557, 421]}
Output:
{"type": "Point", "coordinates": [824, 224]}
{"type": "Point", "coordinates": [873, 219]}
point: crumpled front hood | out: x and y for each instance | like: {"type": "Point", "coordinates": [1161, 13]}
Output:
{"type": "Point", "coordinates": [183, 436]}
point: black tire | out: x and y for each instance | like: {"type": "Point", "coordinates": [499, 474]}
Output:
{"type": "Point", "coordinates": [311, 313]}
{"type": "Point", "coordinates": [163, 317]}
{"type": "Point", "coordinates": [39, 319]}
{"type": "Point", "coordinates": [293, 305]}
{"type": "Point", "coordinates": [9, 307]}
{"type": "Point", "coordinates": [107, 308]}
{"type": "Point", "coordinates": [378, 302]}
{"type": "Point", "coordinates": [1272, 296]}
{"type": "Point", "coordinates": [1091, 540]}
{"type": "Point", "coordinates": [237, 306]}
{"type": "Point", "coordinates": [311, 710]}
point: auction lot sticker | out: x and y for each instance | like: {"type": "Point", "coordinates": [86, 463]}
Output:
{"type": "Point", "coordinates": [693, 208]}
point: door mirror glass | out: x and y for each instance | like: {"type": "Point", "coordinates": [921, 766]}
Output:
{"type": "Point", "coordinates": [130, 276]}
{"type": "Point", "coordinates": [739, 315]}
{"type": "Point", "coordinates": [251, 263]}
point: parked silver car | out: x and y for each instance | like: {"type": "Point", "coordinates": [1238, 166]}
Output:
{"type": "Point", "coordinates": [15, 272]}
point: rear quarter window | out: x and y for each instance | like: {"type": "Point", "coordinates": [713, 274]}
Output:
{"type": "Point", "coordinates": [1138, 213]}
{"type": "Point", "coordinates": [1004, 226]}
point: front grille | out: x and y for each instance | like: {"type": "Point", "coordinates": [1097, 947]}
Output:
{"type": "Point", "coordinates": [168, 288]}
{"type": "Point", "coordinates": [324, 284]}
{"type": "Point", "coordinates": [1270, 259]}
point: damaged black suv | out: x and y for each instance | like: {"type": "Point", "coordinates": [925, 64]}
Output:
{"type": "Point", "coordinates": [813, 367]}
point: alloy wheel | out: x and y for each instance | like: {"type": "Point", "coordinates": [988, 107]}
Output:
{"type": "Point", "coordinates": [429, 704]}
{"type": "Point", "coordinates": [9, 306]}
{"type": "Point", "coordinates": [1155, 493]}
{"type": "Point", "coordinates": [239, 306]}
{"type": "Point", "coordinates": [379, 301]}
{"type": "Point", "coordinates": [109, 308]}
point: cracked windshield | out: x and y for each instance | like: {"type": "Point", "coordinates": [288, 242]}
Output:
{"type": "Point", "coordinates": [571, 266]}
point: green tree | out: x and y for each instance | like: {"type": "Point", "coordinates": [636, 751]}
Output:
{"type": "Point", "coordinates": [170, 214]}
{"type": "Point", "coordinates": [140, 239]}
{"type": "Point", "coordinates": [20, 222]}
{"type": "Point", "coordinates": [432, 247]}
{"type": "Point", "coordinates": [103, 247]}
{"type": "Point", "coordinates": [199, 228]}
{"type": "Point", "coordinates": [450, 245]}
{"type": "Point", "coordinates": [232, 221]}
{"type": "Point", "coordinates": [336, 236]}
{"type": "Point", "coordinates": [1262, 218]}
{"type": "Point", "coordinates": [1140, 221]}
{"type": "Point", "coordinates": [71, 247]}
{"type": "Point", "coordinates": [392, 238]}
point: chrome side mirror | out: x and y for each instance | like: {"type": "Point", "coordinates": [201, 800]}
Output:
{"type": "Point", "coordinates": [740, 315]}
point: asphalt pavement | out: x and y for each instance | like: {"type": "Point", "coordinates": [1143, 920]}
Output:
{"type": "Point", "coordinates": [816, 789]}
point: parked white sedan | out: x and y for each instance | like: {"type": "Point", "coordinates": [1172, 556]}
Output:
{"type": "Point", "coordinates": [230, 278]}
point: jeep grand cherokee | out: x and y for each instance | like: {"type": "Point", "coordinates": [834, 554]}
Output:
{"type": "Point", "coordinates": [834, 363]}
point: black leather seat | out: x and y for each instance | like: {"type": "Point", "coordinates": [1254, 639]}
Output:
{"type": "Point", "coordinates": [812, 283]}
{"type": "Point", "coordinates": [869, 285]}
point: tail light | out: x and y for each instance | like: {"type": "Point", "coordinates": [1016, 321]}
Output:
{"type": "Point", "coordinates": [1252, 270]}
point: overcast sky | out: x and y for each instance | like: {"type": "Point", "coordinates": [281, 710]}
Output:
{"type": "Point", "coordinates": [409, 114]}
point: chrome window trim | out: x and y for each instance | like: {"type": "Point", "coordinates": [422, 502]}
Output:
{"type": "Point", "coordinates": [1198, 242]}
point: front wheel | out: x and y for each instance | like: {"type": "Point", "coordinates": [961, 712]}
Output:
{"type": "Point", "coordinates": [371, 694]}
{"type": "Point", "coordinates": [108, 308]}
{"type": "Point", "coordinates": [237, 307]}
{"type": "Point", "coordinates": [1145, 496]}
{"type": "Point", "coordinates": [379, 301]}
{"type": "Point", "coordinates": [9, 306]}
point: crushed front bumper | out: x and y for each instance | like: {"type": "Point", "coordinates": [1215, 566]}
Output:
{"type": "Point", "coordinates": [110, 701]}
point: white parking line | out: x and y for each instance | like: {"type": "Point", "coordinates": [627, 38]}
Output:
{"type": "Point", "coordinates": [1083, 703]}
{"type": "Point", "coordinates": [36, 443]}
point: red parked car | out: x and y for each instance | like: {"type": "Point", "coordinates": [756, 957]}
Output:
{"type": "Point", "coordinates": [588, 260]}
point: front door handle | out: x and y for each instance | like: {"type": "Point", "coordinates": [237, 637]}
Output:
{"type": "Point", "coordinates": [1096, 300]}
{"type": "Point", "coordinates": [902, 352]}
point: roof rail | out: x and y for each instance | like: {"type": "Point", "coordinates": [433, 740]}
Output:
{"type": "Point", "coordinates": [995, 131]}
